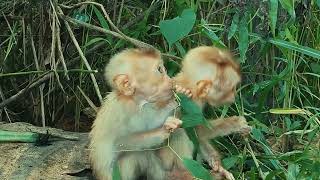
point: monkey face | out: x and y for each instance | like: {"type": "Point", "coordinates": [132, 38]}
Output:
{"type": "Point", "coordinates": [153, 85]}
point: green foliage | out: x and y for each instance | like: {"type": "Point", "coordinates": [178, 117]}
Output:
{"type": "Point", "coordinates": [277, 42]}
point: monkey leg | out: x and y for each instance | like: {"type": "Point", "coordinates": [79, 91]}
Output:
{"type": "Point", "coordinates": [134, 164]}
{"type": "Point", "coordinates": [129, 164]}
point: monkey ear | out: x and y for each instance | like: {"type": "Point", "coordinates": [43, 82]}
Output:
{"type": "Point", "coordinates": [203, 87]}
{"type": "Point", "coordinates": [123, 85]}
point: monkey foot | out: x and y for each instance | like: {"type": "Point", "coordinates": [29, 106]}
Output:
{"type": "Point", "coordinates": [245, 129]}
{"type": "Point", "coordinates": [220, 173]}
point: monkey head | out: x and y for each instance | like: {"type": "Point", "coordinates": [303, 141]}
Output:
{"type": "Point", "coordinates": [139, 74]}
{"type": "Point", "coordinates": [211, 74]}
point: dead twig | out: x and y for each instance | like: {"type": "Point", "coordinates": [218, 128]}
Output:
{"type": "Point", "coordinates": [40, 80]}
{"type": "Point", "coordinates": [75, 42]}
{"type": "Point", "coordinates": [133, 41]}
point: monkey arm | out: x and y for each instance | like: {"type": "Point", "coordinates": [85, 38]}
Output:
{"type": "Point", "coordinates": [223, 127]}
{"type": "Point", "coordinates": [142, 140]}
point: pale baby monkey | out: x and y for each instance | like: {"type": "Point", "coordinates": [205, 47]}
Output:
{"type": "Point", "coordinates": [135, 116]}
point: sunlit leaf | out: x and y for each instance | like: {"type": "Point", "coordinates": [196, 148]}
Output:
{"type": "Point", "coordinates": [177, 28]}
{"type": "Point", "coordinates": [273, 15]}
{"type": "Point", "coordinates": [287, 111]}
{"type": "Point", "coordinates": [302, 49]}
{"type": "Point", "coordinates": [196, 169]}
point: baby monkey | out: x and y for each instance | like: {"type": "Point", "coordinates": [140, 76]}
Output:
{"type": "Point", "coordinates": [208, 75]}
{"type": "Point", "coordinates": [135, 116]}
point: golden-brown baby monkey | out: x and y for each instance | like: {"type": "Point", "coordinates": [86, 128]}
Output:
{"type": "Point", "coordinates": [208, 75]}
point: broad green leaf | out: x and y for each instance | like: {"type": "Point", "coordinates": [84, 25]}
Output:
{"type": "Point", "coordinates": [177, 28]}
{"type": "Point", "coordinates": [302, 49]}
{"type": "Point", "coordinates": [287, 111]}
{"type": "Point", "coordinates": [196, 169]}
{"type": "Point", "coordinates": [191, 132]}
{"type": "Point", "coordinates": [243, 39]}
{"type": "Point", "coordinates": [293, 171]}
{"type": "Point", "coordinates": [273, 14]}
{"type": "Point", "coordinates": [318, 3]}
{"type": "Point", "coordinates": [234, 26]}
{"type": "Point", "coordinates": [191, 113]}
{"type": "Point", "coordinates": [116, 172]}
{"type": "Point", "coordinates": [94, 40]}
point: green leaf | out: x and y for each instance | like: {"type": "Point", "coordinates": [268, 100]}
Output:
{"type": "Point", "coordinates": [181, 49]}
{"type": "Point", "coordinates": [94, 40]}
{"type": "Point", "coordinates": [293, 171]}
{"type": "Point", "coordinates": [229, 162]}
{"type": "Point", "coordinates": [101, 18]}
{"type": "Point", "coordinates": [177, 28]}
{"type": "Point", "coordinates": [234, 26]}
{"type": "Point", "coordinates": [243, 39]}
{"type": "Point", "coordinates": [217, 41]}
{"type": "Point", "coordinates": [191, 113]}
{"type": "Point", "coordinates": [196, 169]}
{"type": "Point", "coordinates": [302, 49]}
{"type": "Point", "coordinates": [288, 5]}
{"type": "Point", "coordinates": [273, 15]}
{"type": "Point", "coordinates": [116, 172]}
{"type": "Point", "coordinates": [318, 3]}
{"type": "Point", "coordinates": [287, 111]}
{"type": "Point", "coordinates": [315, 67]}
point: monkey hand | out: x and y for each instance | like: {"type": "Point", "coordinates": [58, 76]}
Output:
{"type": "Point", "coordinates": [218, 170]}
{"type": "Point", "coordinates": [172, 124]}
{"type": "Point", "coordinates": [245, 129]}
{"type": "Point", "coordinates": [185, 91]}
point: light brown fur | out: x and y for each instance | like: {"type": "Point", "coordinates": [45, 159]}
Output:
{"type": "Point", "coordinates": [210, 75]}
{"type": "Point", "coordinates": [135, 116]}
